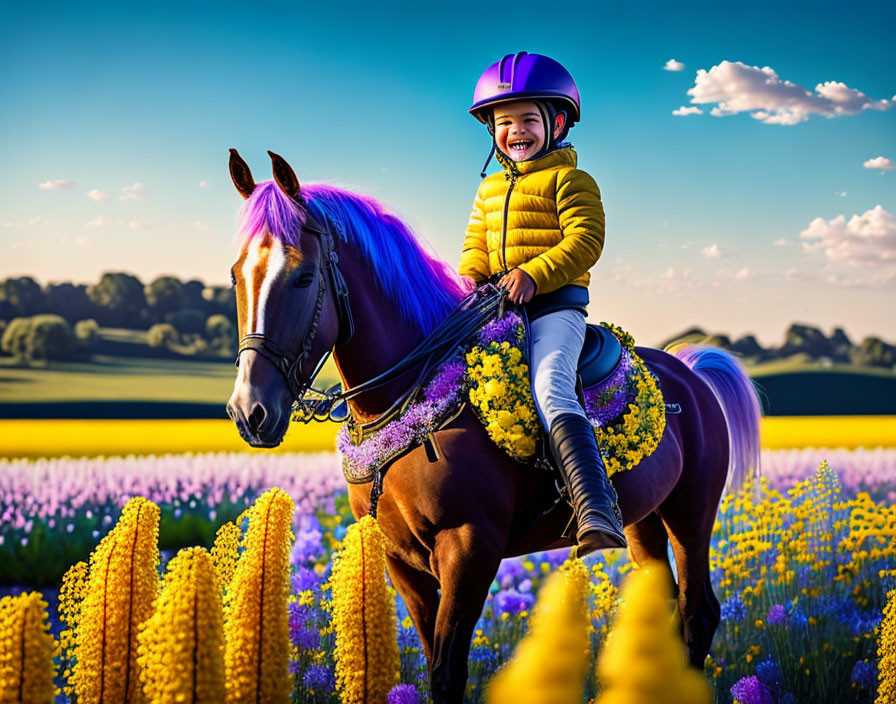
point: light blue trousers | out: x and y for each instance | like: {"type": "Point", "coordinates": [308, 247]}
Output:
{"type": "Point", "coordinates": [557, 340]}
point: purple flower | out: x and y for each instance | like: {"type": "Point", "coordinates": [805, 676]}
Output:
{"type": "Point", "coordinates": [776, 615]}
{"type": "Point", "coordinates": [864, 674]}
{"type": "Point", "coordinates": [319, 678]}
{"type": "Point", "coordinates": [733, 609]}
{"type": "Point", "coordinates": [403, 694]}
{"type": "Point", "coordinates": [749, 690]}
{"type": "Point", "coordinates": [769, 673]}
{"type": "Point", "coordinates": [512, 602]}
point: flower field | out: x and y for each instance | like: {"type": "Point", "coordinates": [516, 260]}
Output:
{"type": "Point", "coordinates": [802, 562]}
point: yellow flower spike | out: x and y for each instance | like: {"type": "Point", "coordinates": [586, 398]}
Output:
{"type": "Point", "coordinates": [27, 649]}
{"type": "Point", "coordinates": [122, 584]}
{"type": "Point", "coordinates": [550, 664]}
{"type": "Point", "coordinates": [71, 597]}
{"type": "Point", "coordinates": [181, 646]}
{"type": "Point", "coordinates": [363, 616]}
{"type": "Point", "coordinates": [225, 552]}
{"type": "Point", "coordinates": [644, 659]}
{"type": "Point", "coordinates": [886, 652]}
{"type": "Point", "coordinates": [256, 658]}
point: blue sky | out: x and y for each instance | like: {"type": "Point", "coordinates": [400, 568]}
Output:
{"type": "Point", "coordinates": [124, 115]}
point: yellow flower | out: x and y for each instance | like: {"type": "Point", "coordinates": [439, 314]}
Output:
{"type": "Point", "coordinates": [27, 649]}
{"type": "Point", "coordinates": [256, 658]}
{"type": "Point", "coordinates": [363, 616]}
{"type": "Point", "coordinates": [181, 646]}
{"type": "Point", "coordinates": [123, 583]}
{"type": "Point", "coordinates": [225, 552]}
{"type": "Point", "coordinates": [644, 658]}
{"type": "Point", "coordinates": [551, 662]}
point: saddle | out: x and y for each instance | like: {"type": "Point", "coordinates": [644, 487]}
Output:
{"type": "Point", "coordinates": [601, 354]}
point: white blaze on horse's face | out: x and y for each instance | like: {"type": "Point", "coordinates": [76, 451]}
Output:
{"type": "Point", "coordinates": [262, 273]}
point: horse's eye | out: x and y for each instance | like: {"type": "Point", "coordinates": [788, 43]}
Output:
{"type": "Point", "coordinates": [304, 280]}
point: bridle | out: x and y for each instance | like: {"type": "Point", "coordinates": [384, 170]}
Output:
{"type": "Point", "coordinates": [310, 403]}
{"type": "Point", "coordinates": [288, 364]}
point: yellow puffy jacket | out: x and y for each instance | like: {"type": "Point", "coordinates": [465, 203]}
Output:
{"type": "Point", "coordinates": [544, 216]}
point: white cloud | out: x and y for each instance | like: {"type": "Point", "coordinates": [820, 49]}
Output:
{"type": "Point", "coordinates": [97, 194]}
{"type": "Point", "coordinates": [139, 225]}
{"type": "Point", "coordinates": [879, 162]}
{"type": "Point", "coordinates": [736, 87]}
{"type": "Point", "coordinates": [98, 221]}
{"type": "Point", "coordinates": [201, 225]}
{"type": "Point", "coordinates": [83, 241]}
{"type": "Point", "coordinates": [203, 184]}
{"type": "Point", "coordinates": [133, 193]}
{"type": "Point", "coordinates": [742, 273]}
{"type": "Point", "coordinates": [36, 221]}
{"type": "Point", "coordinates": [714, 252]}
{"type": "Point", "coordinates": [842, 194]}
{"type": "Point", "coordinates": [684, 110]}
{"type": "Point", "coordinates": [58, 185]}
{"type": "Point", "coordinates": [782, 242]}
{"type": "Point", "coordinates": [673, 65]}
{"type": "Point", "coordinates": [863, 240]}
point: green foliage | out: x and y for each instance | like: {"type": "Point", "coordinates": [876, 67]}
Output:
{"type": "Point", "coordinates": [120, 299]}
{"type": "Point", "coordinates": [874, 352]}
{"type": "Point", "coordinates": [87, 332]}
{"type": "Point", "coordinates": [70, 301]}
{"type": "Point", "coordinates": [165, 294]}
{"type": "Point", "coordinates": [162, 335]}
{"type": "Point", "coordinates": [14, 338]}
{"type": "Point", "coordinates": [21, 296]}
{"type": "Point", "coordinates": [187, 321]}
{"type": "Point", "coordinates": [49, 337]}
{"type": "Point", "coordinates": [220, 332]}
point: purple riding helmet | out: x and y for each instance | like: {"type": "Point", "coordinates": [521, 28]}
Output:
{"type": "Point", "coordinates": [524, 76]}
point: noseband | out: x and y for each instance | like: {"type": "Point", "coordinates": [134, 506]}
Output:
{"type": "Point", "coordinates": [282, 359]}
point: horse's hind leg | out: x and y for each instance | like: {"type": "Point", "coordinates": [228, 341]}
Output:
{"type": "Point", "coordinates": [647, 540]}
{"type": "Point", "coordinates": [689, 528]}
{"type": "Point", "coordinates": [465, 573]}
{"type": "Point", "coordinates": [420, 593]}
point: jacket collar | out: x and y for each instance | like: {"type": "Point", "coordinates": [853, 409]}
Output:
{"type": "Point", "coordinates": [565, 156]}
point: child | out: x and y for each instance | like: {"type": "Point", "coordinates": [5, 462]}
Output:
{"type": "Point", "coordinates": [540, 223]}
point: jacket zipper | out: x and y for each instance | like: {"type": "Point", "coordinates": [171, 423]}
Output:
{"type": "Point", "coordinates": [504, 221]}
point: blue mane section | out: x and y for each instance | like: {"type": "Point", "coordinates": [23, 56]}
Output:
{"type": "Point", "coordinates": [423, 288]}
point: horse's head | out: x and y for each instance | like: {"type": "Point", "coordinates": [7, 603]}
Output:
{"type": "Point", "coordinates": [287, 315]}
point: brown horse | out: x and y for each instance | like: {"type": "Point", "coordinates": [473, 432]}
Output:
{"type": "Point", "coordinates": [450, 522]}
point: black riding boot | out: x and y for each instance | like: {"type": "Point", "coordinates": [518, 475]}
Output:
{"type": "Point", "coordinates": [593, 497]}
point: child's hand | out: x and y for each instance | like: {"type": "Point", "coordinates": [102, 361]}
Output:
{"type": "Point", "coordinates": [519, 285]}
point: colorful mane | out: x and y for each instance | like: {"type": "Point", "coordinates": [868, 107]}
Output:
{"type": "Point", "coordinates": [423, 288]}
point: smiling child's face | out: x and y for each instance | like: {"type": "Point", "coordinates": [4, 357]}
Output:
{"type": "Point", "coordinates": [519, 130]}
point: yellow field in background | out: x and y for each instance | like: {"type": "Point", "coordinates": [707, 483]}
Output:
{"type": "Point", "coordinates": [77, 438]}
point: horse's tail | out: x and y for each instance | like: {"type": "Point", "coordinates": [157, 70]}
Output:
{"type": "Point", "coordinates": [739, 401]}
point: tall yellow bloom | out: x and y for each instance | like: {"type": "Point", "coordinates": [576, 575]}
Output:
{"type": "Point", "coordinates": [256, 658]}
{"type": "Point", "coordinates": [27, 649]}
{"type": "Point", "coordinates": [122, 584]}
{"type": "Point", "coordinates": [886, 652]}
{"type": "Point", "coordinates": [363, 616]}
{"type": "Point", "coordinates": [643, 660]}
{"type": "Point", "coordinates": [71, 598]}
{"type": "Point", "coordinates": [550, 664]}
{"type": "Point", "coordinates": [225, 552]}
{"type": "Point", "coordinates": [181, 646]}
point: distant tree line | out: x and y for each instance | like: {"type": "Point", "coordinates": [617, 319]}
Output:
{"type": "Point", "coordinates": [803, 343]}
{"type": "Point", "coordinates": [56, 321]}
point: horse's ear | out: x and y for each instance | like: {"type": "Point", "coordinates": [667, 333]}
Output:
{"type": "Point", "coordinates": [285, 176]}
{"type": "Point", "coordinates": [241, 175]}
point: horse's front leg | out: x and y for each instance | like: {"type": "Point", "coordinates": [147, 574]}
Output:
{"type": "Point", "coordinates": [420, 592]}
{"type": "Point", "coordinates": [466, 565]}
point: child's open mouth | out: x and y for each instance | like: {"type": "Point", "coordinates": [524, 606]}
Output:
{"type": "Point", "coordinates": [521, 146]}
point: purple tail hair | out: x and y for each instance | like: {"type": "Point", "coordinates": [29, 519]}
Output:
{"type": "Point", "coordinates": [739, 401]}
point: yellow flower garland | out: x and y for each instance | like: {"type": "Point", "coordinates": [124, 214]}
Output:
{"type": "Point", "coordinates": [500, 394]}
